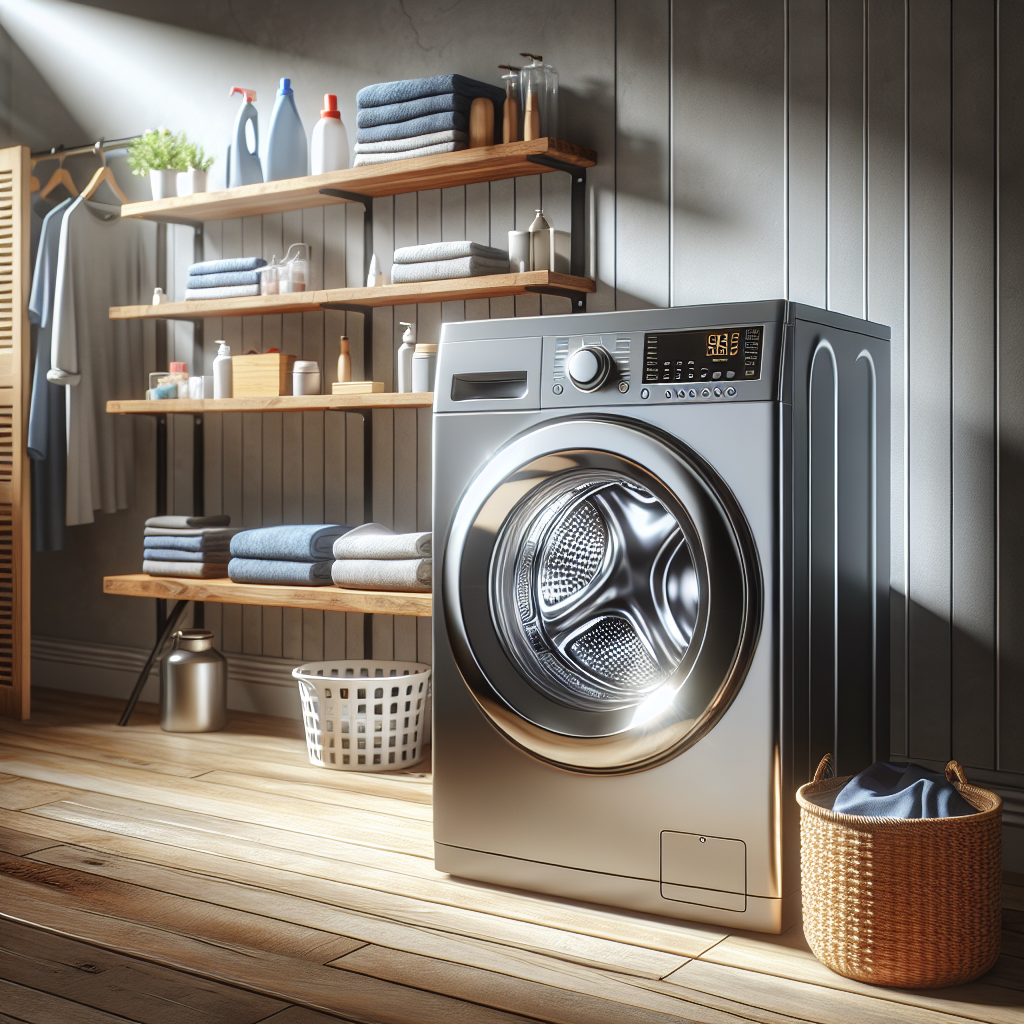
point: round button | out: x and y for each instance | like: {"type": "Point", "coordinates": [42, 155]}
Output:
{"type": "Point", "coordinates": [693, 393]}
{"type": "Point", "coordinates": [730, 392]}
{"type": "Point", "coordinates": [623, 386]}
{"type": "Point", "coordinates": [557, 389]}
{"type": "Point", "coordinates": [644, 393]}
{"type": "Point", "coordinates": [681, 393]}
{"type": "Point", "coordinates": [718, 392]}
{"type": "Point", "coordinates": [589, 367]}
{"type": "Point", "coordinates": [668, 393]}
{"type": "Point", "coordinates": [704, 393]}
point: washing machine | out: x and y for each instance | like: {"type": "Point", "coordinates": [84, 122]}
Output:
{"type": "Point", "coordinates": [661, 595]}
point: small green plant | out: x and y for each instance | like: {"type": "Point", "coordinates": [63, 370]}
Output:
{"type": "Point", "coordinates": [196, 158]}
{"type": "Point", "coordinates": [158, 149]}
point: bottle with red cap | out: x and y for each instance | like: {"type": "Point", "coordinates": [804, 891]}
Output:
{"type": "Point", "coordinates": [329, 149]}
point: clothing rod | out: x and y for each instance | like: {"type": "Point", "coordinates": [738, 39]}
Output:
{"type": "Point", "coordinates": [104, 144]}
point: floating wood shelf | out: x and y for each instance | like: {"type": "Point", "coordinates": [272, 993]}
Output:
{"type": "Point", "coordinates": [484, 163]}
{"type": "Point", "coordinates": [223, 591]}
{"type": "Point", "coordinates": [285, 403]}
{"type": "Point", "coordinates": [491, 286]}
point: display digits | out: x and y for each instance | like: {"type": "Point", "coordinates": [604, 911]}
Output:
{"type": "Point", "coordinates": [718, 345]}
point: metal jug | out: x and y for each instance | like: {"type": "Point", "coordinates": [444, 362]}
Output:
{"type": "Point", "coordinates": [193, 684]}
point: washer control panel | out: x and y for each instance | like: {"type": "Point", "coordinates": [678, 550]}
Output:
{"type": "Point", "coordinates": [672, 357]}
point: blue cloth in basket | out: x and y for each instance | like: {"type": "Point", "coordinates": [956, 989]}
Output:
{"type": "Point", "coordinates": [890, 790]}
{"type": "Point", "coordinates": [309, 542]}
{"type": "Point", "coordinates": [416, 88]}
{"type": "Point", "coordinates": [282, 574]}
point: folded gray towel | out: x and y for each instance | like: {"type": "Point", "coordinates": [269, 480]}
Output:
{"type": "Point", "coordinates": [415, 88]}
{"type": "Point", "coordinates": [447, 270]}
{"type": "Point", "coordinates": [221, 557]}
{"type": "Point", "coordinates": [187, 522]}
{"type": "Point", "coordinates": [393, 113]}
{"type": "Point", "coordinates": [280, 573]}
{"type": "Point", "coordinates": [223, 280]}
{"type": "Point", "coordinates": [416, 142]}
{"type": "Point", "coordinates": [233, 292]}
{"type": "Point", "coordinates": [417, 126]}
{"type": "Point", "coordinates": [231, 265]}
{"type": "Point", "coordinates": [382, 573]}
{"type": "Point", "coordinates": [193, 570]}
{"type": "Point", "coordinates": [213, 542]}
{"type": "Point", "coordinates": [211, 532]}
{"type": "Point", "coordinates": [307, 542]}
{"type": "Point", "coordinates": [447, 251]}
{"type": "Point", "coordinates": [372, 540]}
{"type": "Point", "coordinates": [363, 159]}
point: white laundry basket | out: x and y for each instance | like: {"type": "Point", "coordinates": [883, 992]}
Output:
{"type": "Point", "coordinates": [365, 716]}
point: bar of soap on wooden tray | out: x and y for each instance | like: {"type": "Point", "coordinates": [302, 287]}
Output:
{"type": "Point", "coordinates": [357, 387]}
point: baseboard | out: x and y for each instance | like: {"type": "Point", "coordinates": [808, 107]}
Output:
{"type": "Point", "coordinates": [262, 685]}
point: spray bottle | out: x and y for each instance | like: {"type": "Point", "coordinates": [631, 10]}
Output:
{"type": "Point", "coordinates": [242, 165]}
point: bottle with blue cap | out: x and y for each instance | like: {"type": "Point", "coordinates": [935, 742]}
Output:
{"type": "Point", "coordinates": [286, 143]}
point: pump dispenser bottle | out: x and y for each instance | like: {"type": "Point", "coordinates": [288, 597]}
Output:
{"type": "Point", "coordinates": [329, 148]}
{"type": "Point", "coordinates": [222, 371]}
{"type": "Point", "coordinates": [286, 143]}
{"type": "Point", "coordinates": [405, 351]}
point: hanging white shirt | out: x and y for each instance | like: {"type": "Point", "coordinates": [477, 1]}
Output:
{"type": "Point", "coordinates": [103, 261]}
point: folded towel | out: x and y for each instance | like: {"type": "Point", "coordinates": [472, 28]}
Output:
{"type": "Point", "coordinates": [417, 126]}
{"type": "Point", "coordinates": [889, 790]}
{"type": "Point", "coordinates": [299, 543]}
{"type": "Point", "coordinates": [446, 270]}
{"type": "Point", "coordinates": [193, 570]}
{"type": "Point", "coordinates": [221, 557]}
{"type": "Point", "coordinates": [211, 542]}
{"type": "Point", "coordinates": [415, 142]}
{"type": "Point", "coordinates": [228, 266]}
{"type": "Point", "coordinates": [382, 574]}
{"type": "Point", "coordinates": [393, 113]}
{"type": "Point", "coordinates": [372, 540]}
{"type": "Point", "coordinates": [281, 574]}
{"type": "Point", "coordinates": [383, 93]}
{"type": "Point", "coordinates": [362, 159]}
{"type": "Point", "coordinates": [197, 531]}
{"type": "Point", "coordinates": [234, 292]}
{"type": "Point", "coordinates": [236, 277]}
{"type": "Point", "coordinates": [187, 522]}
{"type": "Point", "coordinates": [447, 251]}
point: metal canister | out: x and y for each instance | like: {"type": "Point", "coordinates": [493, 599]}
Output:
{"type": "Point", "coordinates": [193, 684]}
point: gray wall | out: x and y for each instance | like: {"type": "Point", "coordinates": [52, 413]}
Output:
{"type": "Point", "coordinates": [864, 155]}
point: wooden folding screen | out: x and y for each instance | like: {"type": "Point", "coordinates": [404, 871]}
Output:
{"type": "Point", "coordinates": [15, 488]}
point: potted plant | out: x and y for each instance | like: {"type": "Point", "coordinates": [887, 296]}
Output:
{"type": "Point", "coordinates": [194, 179]}
{"type": "Point", "coordinates": [159, 153]}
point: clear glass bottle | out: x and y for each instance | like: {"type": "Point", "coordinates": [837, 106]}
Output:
{"type": "Point", "coordinates": [538, 91]}
{"type": "Point", "coordinates": [512, 115]}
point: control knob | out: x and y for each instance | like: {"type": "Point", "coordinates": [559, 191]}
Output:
{"type": "Point", "coordinates": [589, 367]}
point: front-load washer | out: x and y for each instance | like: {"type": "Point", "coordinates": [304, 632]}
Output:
{"type": "Point", "coordinates": [661, 595]}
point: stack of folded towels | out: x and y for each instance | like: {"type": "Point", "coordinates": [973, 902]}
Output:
{"type": "Point", "coordinates": [372, 557]}
{"type": "Point", "coordinates": [443, 261]}
{"type": "Point", "coordinates": [290, 556]}
{"type": "Point", "coordinates": [419, 117]}
{"type": "Point", "coordinates": [224, 279]}
{"type": "Point", "coordinates": [192, 546]}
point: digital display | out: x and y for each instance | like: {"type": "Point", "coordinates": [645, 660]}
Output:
{"type": "Point", "coordinates": [678, 357]}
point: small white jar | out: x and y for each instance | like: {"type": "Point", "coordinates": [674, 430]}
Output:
{"type": "Point", "coordinates": [305, 377]}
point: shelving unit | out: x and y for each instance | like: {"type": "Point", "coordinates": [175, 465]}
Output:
{"type": "Point", "coordinates": [283, 403]}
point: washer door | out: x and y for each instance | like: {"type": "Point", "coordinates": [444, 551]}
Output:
{"type": "Point", "coordinates": [602, 594]}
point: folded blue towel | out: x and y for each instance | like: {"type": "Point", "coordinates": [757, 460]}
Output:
{"type": "Point", "coordinates": [221, 557]}
{"type": "Point", "coordinates": [309, 542]}
{"type": "Point", "coordinates": [193, 570]}
{"type": "Point", "coordinates": [452, 119]}
{"type": "Point", "coordinates": [416, 88]}
{"type": "Point", "coordinates": [281, 574]}
{"type": "Point", "coordinates": [889, 790]}
{"type": "Point", "coordinates": [226, 266]}
{"type": "Point", "coordinates": [393, 113]}
{"type": "Point", "coordinates": [213, 542]}
{"type": "Point", "coordinates": [228, 280]}
{"type": "Point", "coordinates": [187, 522]}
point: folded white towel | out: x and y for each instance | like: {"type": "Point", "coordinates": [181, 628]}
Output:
{"type": "Point", "coordinates": [372, 540]}
{"type": "Point", "coordinates": [228, 292]}
{"type": "Point", "coordinates": [446, 270]}
{"type": "Point", "coordinates": [416, 142]}
{"type": "Point", "coordinates": [433, 251]}
{"type": "Point", "coordinates": [362, 159]}
{"type": "Point", "coordinates": [382, 573]}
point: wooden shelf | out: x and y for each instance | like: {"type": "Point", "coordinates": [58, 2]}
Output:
{"type": "Point", "coordinates": [491, 286]}
{"type": "Point", "coordinates": [284, 403]}
{"type": "Point", "coordinates": [223, 591]}
{"type": "Point", "coordinates": [485, 163]}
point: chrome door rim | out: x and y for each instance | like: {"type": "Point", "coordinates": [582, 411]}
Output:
{"type": "Point", "coordinates": [712, 670]}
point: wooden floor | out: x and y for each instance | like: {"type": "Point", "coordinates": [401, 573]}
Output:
{"type": "Point", "coordinates": [220, 879]}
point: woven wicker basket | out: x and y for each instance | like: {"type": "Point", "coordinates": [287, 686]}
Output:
{"type": "Point", "coordinates": [912, 903]}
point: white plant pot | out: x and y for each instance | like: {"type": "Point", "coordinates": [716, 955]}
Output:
{"type": "Point", "coordinates": [164, 184]}
{"type": "Point", "coordinates": [190, 182]}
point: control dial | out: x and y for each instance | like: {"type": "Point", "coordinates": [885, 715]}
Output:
{"type": "Point", "coordinates": [589, 367]}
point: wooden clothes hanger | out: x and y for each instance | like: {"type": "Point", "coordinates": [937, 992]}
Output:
{"type": "Point", "coordinates": [104, 174]}
{"type": "Point", "coordinates": [59, 177]}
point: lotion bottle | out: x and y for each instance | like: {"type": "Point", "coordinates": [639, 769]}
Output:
{"type": "Point", "coordinates": [344, 362]}
{"type": "Point", "coordinates": [329, 147]}
{"type": "Point", "coordinates": [222, 371]}
{"type": "Point", "coordinates": [405, 351]}
{"type": "Point", "coordinates": [286, 144]}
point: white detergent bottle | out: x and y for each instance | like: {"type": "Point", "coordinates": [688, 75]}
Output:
{"type": "Point", "coordinates": [329, 148]}
{"type": "Point", "coordinates": [222, 371]}
{"type": "Point", "coordinates": [286, 143]}
{"type": "Point", "coordinates": [405, 351]}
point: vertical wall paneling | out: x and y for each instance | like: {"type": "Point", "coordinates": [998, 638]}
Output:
{"type": "Point", "coordinates": [972, 659]}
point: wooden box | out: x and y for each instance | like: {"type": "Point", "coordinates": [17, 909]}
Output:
{"type": "Point", "coordinates": [265, 376]}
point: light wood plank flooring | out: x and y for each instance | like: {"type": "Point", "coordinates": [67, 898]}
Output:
{"type": "Point", "coordinates": [220, 878]}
